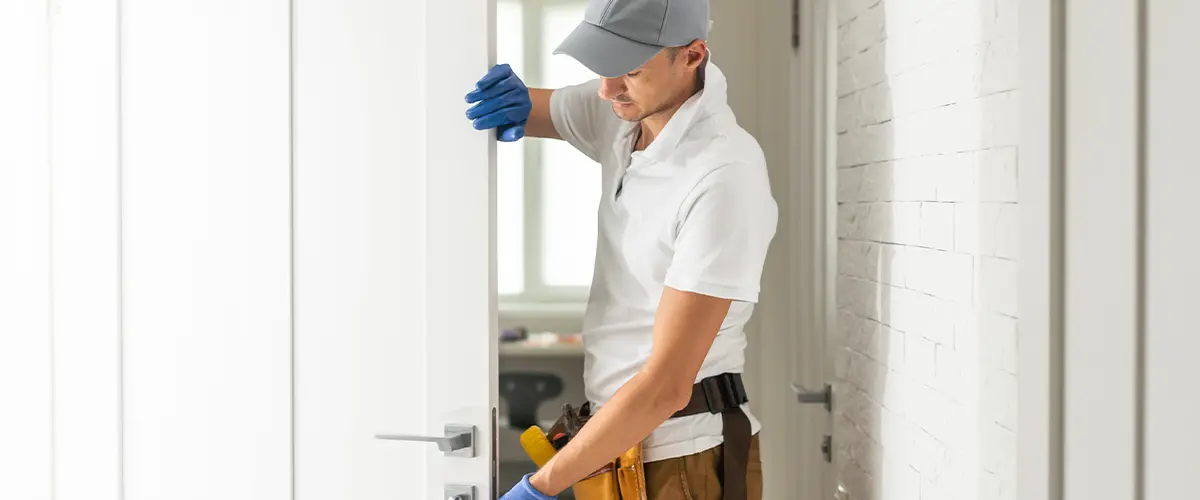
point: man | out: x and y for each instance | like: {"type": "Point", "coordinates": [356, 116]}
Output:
{"type": "Point", "coordinates": [685, 220]}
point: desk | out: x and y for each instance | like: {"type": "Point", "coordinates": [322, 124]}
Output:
{"type": "Point", "coordinates": [541, 350]}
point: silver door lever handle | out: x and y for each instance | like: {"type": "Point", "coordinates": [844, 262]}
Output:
{"type": "Point", "coordinates": [459, 440]}
{"type": "Point", "coordinates": [823, 396]}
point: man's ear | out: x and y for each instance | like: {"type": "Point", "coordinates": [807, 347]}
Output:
{"type": "Point", "coordinates": [696, 52]}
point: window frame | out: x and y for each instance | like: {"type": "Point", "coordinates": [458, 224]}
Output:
{"type": "Point", "coordinates": [535, 292]}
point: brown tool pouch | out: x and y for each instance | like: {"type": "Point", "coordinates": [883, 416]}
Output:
{"type": "Point", "coordinates": [622, 479]}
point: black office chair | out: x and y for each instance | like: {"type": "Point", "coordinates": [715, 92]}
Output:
{"type": "Point", "coordinates": [524, 392]}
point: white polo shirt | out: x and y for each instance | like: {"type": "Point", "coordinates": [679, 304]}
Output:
{"type": "Point", "coordinates": [694, 212]}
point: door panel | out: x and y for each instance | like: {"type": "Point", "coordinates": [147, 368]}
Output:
{"type": "Point", "coordinates": [360, 257]}
{"type": "Point", "coordinates": [461, 326]}
{"type": "Point", "coordinates": [25, 327]}
{"type": "Point", "coordinates": [395, 319]}
{"type": "Point", "coordinates": [205, 244]}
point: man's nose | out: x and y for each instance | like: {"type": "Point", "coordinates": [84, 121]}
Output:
{"type": "Point", "coordinates": [611, 88]}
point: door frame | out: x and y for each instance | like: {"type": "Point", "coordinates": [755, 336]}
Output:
{"type": "Point", "coordinates": [1082, 160]}
{"type": "Point", "coordinates": [1039, 357]}
{"type": "Point", "coordinates": [799, 302]}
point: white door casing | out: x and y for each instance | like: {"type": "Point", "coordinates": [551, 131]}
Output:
{"type": "Point", "coordinates": [1107, 398]}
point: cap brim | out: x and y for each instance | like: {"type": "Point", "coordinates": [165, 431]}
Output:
{"type": "Point", "coordinates": [605, 53]}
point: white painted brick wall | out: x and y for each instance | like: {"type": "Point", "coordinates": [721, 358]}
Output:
{"type": "Point", "coordinates": [927, 229]}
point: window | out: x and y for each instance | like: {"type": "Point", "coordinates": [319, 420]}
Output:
{"type": "Point", "coordinates": [547, 191]}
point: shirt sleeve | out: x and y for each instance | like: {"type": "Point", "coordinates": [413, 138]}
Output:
{"type": "Point", "coordinates": [726, 225]}
{"type": "Point", "coordinates": [582, 118]}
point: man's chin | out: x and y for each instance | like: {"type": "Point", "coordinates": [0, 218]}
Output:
{"type": "Point", "coordinates": [628, 112]}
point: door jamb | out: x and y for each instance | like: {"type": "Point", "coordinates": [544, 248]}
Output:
{"type": "Point", "coordinates": [1040, 275]}
{"type": "Point", "coordinates": [799, 308]}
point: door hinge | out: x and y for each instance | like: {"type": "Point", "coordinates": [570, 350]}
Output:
{"type": "Point", "coordinates": [795, 24]}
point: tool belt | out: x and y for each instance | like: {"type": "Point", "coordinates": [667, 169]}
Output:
{"type": "Point", "coordinates": [624, 477]}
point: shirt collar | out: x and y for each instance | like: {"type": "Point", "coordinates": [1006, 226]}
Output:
{"type": "Point", "coordinates": [710, 100]}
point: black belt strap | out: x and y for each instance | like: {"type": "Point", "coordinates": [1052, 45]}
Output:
{"type": "Point", "coordinates": [725, 394]}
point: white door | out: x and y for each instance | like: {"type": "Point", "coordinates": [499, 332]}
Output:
{"type": "Point", "coordinates": [393, 248]}
{"type": "Point", "coordinates": [814, 435]}
{"type": "Point", "coordinates": [238, 240]}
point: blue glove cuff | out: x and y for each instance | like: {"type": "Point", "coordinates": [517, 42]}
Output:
{"type": "Point", "coordinates": [529, 491]}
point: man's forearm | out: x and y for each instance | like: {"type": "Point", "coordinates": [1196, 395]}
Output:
{"type": "Point", "coordinates": [540, 124]}
{"type": "Point", "coordinates": [639, 407]}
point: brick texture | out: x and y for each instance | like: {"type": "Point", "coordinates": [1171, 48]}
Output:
{"type": "Point", "coordinates": [926, 344]}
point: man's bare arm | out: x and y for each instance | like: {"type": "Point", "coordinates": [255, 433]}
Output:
{"type": "Point", "coordinates": [540, 123]}
{"type": "Point", "coordinates": [684, 329]}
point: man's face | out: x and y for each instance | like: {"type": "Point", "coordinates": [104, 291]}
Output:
{"type": "Point", "coordinates": [661, 84]}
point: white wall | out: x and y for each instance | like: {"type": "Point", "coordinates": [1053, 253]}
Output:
{"type": "Point", "coordinates": [927, 227]}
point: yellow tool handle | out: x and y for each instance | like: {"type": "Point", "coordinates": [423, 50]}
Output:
{"type": "Point", "coordinates": [537, 446]}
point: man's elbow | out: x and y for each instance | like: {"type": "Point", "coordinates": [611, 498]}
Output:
{"type": "Point", "coordinates": [681, 396]}
{"type": "Point", "coordinates": [675, 394]}
{"type": "Point", "coordinates": [667, 392]}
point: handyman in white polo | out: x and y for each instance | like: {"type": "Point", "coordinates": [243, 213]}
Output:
{"type": "Point", "coordinates": [685, 220]}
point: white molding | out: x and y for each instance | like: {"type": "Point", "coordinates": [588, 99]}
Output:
{"type": "Point", "coordinates": [1082, 174]}
{"type": "Point", "coordinates": [1039, 394]}
{"type": "Point", "coordinates": [1101, 281]}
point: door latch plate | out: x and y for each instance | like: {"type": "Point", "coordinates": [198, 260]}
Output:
{"type": "Point", "coordinates": [459, 492]}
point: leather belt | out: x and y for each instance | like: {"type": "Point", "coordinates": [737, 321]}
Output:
{"type": "Point", "coordinates": [725, 394]}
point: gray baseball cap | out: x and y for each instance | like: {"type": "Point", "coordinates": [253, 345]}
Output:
{"type": "Point", "coordinates": [618, 36]}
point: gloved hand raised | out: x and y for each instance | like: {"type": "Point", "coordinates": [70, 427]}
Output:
{"type": "Point", "coordinates": [503, 103]}
{"type": "Point", "coordinates": [525, 491]}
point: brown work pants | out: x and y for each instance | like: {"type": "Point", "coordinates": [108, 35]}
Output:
{"type": "Point", "coordinates": [698, 477]}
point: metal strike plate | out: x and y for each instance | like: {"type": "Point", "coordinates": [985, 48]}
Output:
{"type": "Point", "coordinates": [459, 492]}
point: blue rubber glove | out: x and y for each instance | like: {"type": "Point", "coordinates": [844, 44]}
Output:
{"type": "Point", "coordinates": [525, 491]}
{"type": "Point", "coordinates": [503, 104]}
